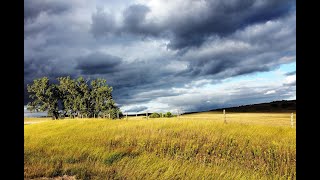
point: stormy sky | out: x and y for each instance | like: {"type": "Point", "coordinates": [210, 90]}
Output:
{"type": "Point", "coordinates": [164, 55]}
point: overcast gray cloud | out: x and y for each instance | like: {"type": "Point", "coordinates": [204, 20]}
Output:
{"type": "Point", "coordinates": [290, 73]}
{"type": "Point", "coordinates": [137, 109]}
{"type": "Point", "coordinates": [191, 23]}
{"type": "Point", "coordinates": [103, 24]}
{"type": "Point", "coordinates": [33, 8]}
{"type": "Point", "coordinates": [98, 63]}
{"type": "Point", "coordinates": [147, 49]}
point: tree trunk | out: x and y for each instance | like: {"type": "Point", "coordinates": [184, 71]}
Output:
{"type": "Point", "coordinates": [55, 115]}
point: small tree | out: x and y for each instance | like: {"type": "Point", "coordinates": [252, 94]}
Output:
{"type": "Point", "coordinates": [115, 112]}
{"type": "Point", "coordinates": [154, 115]}
{"type": "Point", "coordinates": [168, 114]}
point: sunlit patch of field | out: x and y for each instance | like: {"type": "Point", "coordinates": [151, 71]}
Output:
{"type": "Point", "coordinates": [196, 146]}
{"type": "Point", "coordinates": [30, 120]}
{"type": "Point", "coordinates": [268, 119]}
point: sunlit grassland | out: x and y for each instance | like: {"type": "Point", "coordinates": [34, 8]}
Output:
{"type": "Point", "coordinates": [33, 120]}
{"type": "Point", "coordinates": [196, 146]}
{"type": "Point", "coordinates": [268, 119]}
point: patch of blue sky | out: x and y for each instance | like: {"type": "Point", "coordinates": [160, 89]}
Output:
{"type": "Point", "coordinates": [274, 76]}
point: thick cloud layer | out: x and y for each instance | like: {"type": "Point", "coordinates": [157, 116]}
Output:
{"type": "Point", "coordinates": [33, 8]}
{"type": "Point", "coordinates": [192, 22]}
{"type": "Point", "coordinates": [97, 63]}
{"type": "Point", "coordinates": [290, 73]}
{"type": "Point", "coordinates": [148, 49]}
{"type": "Point", "coordinates": [137, 109]}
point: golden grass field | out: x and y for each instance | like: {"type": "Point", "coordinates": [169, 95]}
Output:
{"type": "Point", "coordinates": [195, 146]}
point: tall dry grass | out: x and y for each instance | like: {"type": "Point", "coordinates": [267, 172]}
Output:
{"type": "Point", "coordinates": [169, 148]}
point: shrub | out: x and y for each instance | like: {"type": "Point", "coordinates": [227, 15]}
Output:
{"type": "Point", "coordinates": [154, 115]}
{"type": "Point", "coordinates": [113, 113]}
{"type": "Point", "coordinates": [168, 114]}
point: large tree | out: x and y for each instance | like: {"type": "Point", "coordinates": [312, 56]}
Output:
{"type": "Point", "coordinates": [73, 97]}
{"type": "Point", "coordinates": [103, 103]}
{"type": "Point", "coordinates": [45, 97]}
{"type": "Point", "coordinates": [68, 90]}
{"type": "Point", "coordinates": [84, 99]}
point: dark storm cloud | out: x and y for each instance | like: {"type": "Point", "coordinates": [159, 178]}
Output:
{"type": "Point", "coordinates": [134, 17]}
{"type": "Point", "coordinates": [98, 63]}
{"type": "Point", "coordinates": [223, 18]}
{"type": "Point", "coordinates": [147, 56]}
{"type": "Point", "coordinates": [45, 64]}
{"type": "Point", "coordinates": [37, 67]}
{"type": "Point", "coordinates": [143, 95]}
{"type": "Point", "coordinates": [137, 109]}
{"type": "Point", "coordinates": [138, 81]}
{"type": "Point", "coordinates": [252, 49]}
{"type": "Point", "coordinates": [223, 67]}
{"type": "Point", "coordinates": [103, 23]}
{"type": "Point", "coordinates": [192, 29]}
{"type": "Point", "coordinates": [32, 8]}
{"type": "Point", "coordinates": [290, 73]}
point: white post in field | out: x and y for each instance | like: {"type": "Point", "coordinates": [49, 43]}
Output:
{"type": "Point", "coordinates": [118, 115]}
{"type": "Point", "coordinates": [224, 114]}
{"type": "Point", "coordinates": [127, 115]}
{"type": "Point", "coordinates": [147, 115]}
{"type": "Point", "coordinates": [291, 120]}
{"type": "Point", "coordinates": [136, 114]}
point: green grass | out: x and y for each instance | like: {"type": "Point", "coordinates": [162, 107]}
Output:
{"type": "Point", "coordinates": [194, 147]}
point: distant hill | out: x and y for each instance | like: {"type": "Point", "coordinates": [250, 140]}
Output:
{"type": "Point", "coordinates": [274, 106]}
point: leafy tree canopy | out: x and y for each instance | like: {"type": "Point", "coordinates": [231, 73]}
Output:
{"type": "Point", "coordinates": [154, 115]}
{"type": "Point", "coordinates": [73, 98]}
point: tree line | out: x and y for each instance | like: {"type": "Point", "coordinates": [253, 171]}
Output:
{"type": "Point", "coordinates": [160, 115]}
{"type": "Point", "coordinates": [73, 98]}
